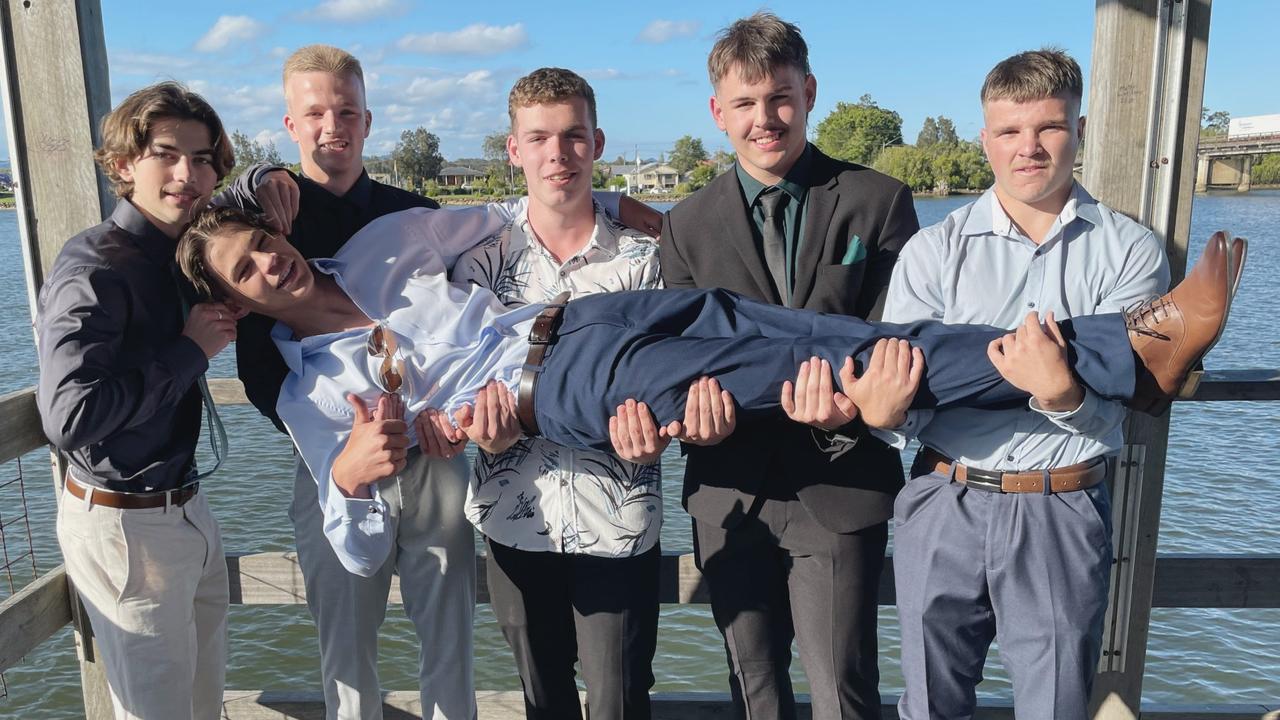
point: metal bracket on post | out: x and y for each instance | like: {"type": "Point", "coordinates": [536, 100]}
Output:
{"type": "Point", "coordinates": [1125, 505]}
{"type": "Point", "coordinates": [80, 622]}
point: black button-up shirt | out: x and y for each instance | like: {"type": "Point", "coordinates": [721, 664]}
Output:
{"type": "Point", "coordinates": [117, 389]}
{"type": "Point", "coordinates": [324, 224]}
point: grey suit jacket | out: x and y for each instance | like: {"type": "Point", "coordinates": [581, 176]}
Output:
{"type": "Point", "coordinates": [707, 242]}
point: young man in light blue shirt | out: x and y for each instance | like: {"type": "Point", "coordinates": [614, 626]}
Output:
{"type": "Point", "coordinates": [976, 556]}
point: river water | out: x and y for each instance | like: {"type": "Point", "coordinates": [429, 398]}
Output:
{"type": "Point", "coordinates": [1220, 497]}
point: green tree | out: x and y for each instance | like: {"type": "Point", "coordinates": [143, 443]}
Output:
{"type": "Point", "coordinates": [700, 176]}
{"type": "Point", "coordinates": [248, 152]}
{"type": "Point", "coordinates": [937, 132]}
{"type": "Point", "coordinates": [687, 154]}
{"type": "Point", "coordinates": [1214, 123]}
{"type": "Point", "coordinates": [495, 153]}
{"type": "Point", "coordinates": [417, 155]}
{"type": "Point", "coordinates": [857, 132]}
{"type": "Point", "coordinates": [959, 166]}
{"type": "Point", "coordinates": [1266, 170]}
{"type": "Point", "coordinates": [909, 164]}
{"type": "Point", "coordinates": [928, 133]}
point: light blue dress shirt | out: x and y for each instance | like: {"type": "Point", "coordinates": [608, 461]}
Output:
{"type": "Point", "coordinates": [453, 338]}
{"type": "Point", "coordinates": [976, 266]}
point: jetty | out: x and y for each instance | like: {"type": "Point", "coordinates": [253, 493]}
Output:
{"type": "Point", "coordinates": [1146, 92]}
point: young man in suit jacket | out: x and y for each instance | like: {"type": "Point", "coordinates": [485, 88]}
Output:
{"type": "Point", "coordinates": [790, 522]}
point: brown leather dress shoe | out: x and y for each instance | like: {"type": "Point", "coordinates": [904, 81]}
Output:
{"type": "Point", "coordinates": [1170, 334]}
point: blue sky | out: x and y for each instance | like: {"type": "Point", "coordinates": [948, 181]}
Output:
{"type": "Point", "coordinates": [448, 65]}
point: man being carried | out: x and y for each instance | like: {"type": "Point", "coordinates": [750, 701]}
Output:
{"type": "Point", "coordinates": [386, 320]}
{"type": "Point", "coordinates": [118, 394]}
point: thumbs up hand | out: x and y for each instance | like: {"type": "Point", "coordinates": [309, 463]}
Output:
{"type": "Point", "coordinates": [375, 449]}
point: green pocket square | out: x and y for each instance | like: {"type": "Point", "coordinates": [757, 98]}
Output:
{"type": "Point", "coordinates": [857, 251]}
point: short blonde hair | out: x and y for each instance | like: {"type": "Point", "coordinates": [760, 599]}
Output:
{"type": "Point", "coordinates": [757, 46]}
{"type": "Point", "coordinates": [126, 128]}
{"type": "Point", "coordinates": [547, 86]}
{"type": "Point", "coordinates": [325, 59]}
{"type": "Point", "coordinates": [1034, 75]}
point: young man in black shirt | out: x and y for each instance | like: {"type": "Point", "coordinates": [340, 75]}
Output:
{"type": "Point", "coordinates": [118, 394]}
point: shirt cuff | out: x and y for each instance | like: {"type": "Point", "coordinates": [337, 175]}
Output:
{"type": "Point", "coordinates": [357, 529]}
{"type": "Point", "coordinates": [259, 173]}
{"type": "Point", "coordinates": [1071, 420]}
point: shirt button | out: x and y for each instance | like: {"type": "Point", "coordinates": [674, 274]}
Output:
{"type": "Point", "coordinates": [564, 482]}
{"type": "Point", "coordinates": [1031, 304]}
{"type": "Point", "coordinates": [1009, 458]}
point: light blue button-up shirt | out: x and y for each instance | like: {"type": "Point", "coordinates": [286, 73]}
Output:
{"type": "Point", "coordinates": [453, 338]}
{"type": "Point", "coordinates": [976, 266]}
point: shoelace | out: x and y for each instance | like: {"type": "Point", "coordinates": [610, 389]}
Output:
{"type": "Point", "coordinates": [1136, 316]}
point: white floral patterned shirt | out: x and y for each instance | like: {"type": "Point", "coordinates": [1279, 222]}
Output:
{"type": "Point", "coordinates": [539, 496]}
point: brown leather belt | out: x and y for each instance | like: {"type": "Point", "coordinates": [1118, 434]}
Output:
{"type": "Point", "coordinates": [131, 501]}
{"type": "Point", "coordinates": [541, 338]}
{"type": "Point", "coordinates": [1065, 479]}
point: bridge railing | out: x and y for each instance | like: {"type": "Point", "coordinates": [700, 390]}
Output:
{"type": "Point", "coordinates": [38, 611]}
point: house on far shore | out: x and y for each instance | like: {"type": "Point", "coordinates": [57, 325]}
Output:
{"type": "Point", "coordinates": [456, 176]}
{"type": "Point", "coordinates": [648, 178]}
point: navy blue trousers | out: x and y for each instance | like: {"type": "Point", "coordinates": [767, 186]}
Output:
{"type": "Point", "coordinates": [651, 345]}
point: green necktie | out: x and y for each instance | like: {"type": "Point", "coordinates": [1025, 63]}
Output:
{"type": "Point", "coordinates": [773, 202]}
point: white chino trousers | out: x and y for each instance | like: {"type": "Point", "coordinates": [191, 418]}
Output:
{"type": "Point", "coordinates": [434, 555]}
{"type": "Point", "coordinates": [154, 584]}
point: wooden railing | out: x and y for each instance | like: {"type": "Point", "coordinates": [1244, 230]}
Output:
{"type": "Point", "coordinates": [39, 610]}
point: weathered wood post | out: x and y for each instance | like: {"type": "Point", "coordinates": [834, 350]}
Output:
{"type": "Point", "coordinates": [55, 90]}
{"type": "Point", "coordinates": [1146, 90]}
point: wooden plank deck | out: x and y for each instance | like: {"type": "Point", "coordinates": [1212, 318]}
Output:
{"type": "Point", "coordinates": [508, 705]}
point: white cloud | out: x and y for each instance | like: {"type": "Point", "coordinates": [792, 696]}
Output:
{"type": "Point", "coordinates": [397, 113]}
{"type": "Point", "coordinates": [477, 84]}
{"type": "Point", "coordinates": [124, 63]}
{"type": "Point", "coordinates": [227, 30]}
{"type": "Point", "coordinates": [660, 31]}
{"type": "Point", "coordinates": [477, 39]}
{"type": "Point", "coordinates": [279, 138]}
{"type": "Point", "coordinates": [354, 10]}
{"type": "Point", "coordinates": [602, 74]}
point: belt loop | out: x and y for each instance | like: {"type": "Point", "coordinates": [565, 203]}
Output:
{"type": "Point", "coordinates": [1048, 483]}
{"type": "Point", "coordinates": [88, 497]}
{"type": "Point", "coordinates": [168, 500]}
{"type": "Point", "coordinates": [951, 474]}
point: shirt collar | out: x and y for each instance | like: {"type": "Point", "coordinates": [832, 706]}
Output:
{"type": "Point", "coordinates": [603, 240]}
{"type": "Point", "coordinates": [795, 183]}
{"type": "Point", "coordinates": [155, 243]}
{"type": "Point", "coordinates": [989, 218]}
{"type": "Point", "coordinates": [290, 347]}
{"type": "Point", "coordinates": [360, 194]}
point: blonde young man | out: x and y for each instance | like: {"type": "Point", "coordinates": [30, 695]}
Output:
{"type": "Point", "coordinates": [326, 115]}
{"type": "Point", "coordinates": [433, 555]}
{"type": "Point", "coordinates": [118, 395]}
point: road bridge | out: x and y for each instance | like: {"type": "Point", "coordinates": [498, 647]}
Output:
{"type": "Point", "coordinates": [1228, 161]}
